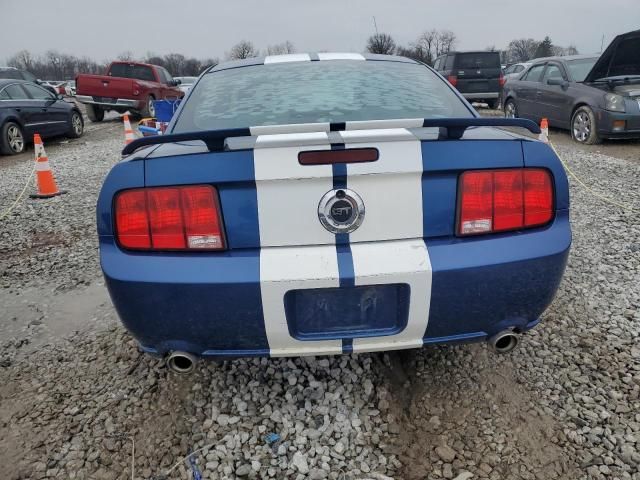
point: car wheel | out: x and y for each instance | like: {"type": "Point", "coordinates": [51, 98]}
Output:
{"type": "Point", "coordinates": [583, 126]}
{"type": "Point", "coordinates": [510, 109]}
{"type": "Point", "coordinates": [77, 125]}
{"type": "Point", "coordinates": [94, 112]}
{"type": "Point", "coordinates": [12, 139]}
{"type": "Point", "coordinates": [149, 109]}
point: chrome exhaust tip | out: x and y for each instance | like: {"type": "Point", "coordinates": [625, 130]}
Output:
{"type": "Point", "coordinates": [181, 362]}
{"type": "Point", "coordinates": [504, 342]}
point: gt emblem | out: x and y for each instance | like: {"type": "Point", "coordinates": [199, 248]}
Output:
{"type": "Point", "coordinates": [341, 210]}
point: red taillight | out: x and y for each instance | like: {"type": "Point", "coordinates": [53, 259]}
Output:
{"type": "Point", "coordinates": [453, 80]}
{"type": "Point", "coordinates": [501, 80]}
{"type": "Point", "coordinates": [169, 218]}
{"type": "Point", "coordinates": [501, 200]}
{"type": "Point", "coordinates": [328, 157]}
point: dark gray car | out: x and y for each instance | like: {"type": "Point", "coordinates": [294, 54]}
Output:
{"type": "Point", "coordinates": [594, 97]}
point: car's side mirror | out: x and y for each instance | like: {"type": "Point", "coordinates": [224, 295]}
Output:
{"type": "Point", "coordinates": [175, 82]}
{"type": "Point", "coordinates": [558, 81]}
{"type": "Point", "coordinates": [59, 96]}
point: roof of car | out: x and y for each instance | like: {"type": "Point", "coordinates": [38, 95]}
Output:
{"type": "Point", "coordinates": [6, 81]}
{"type": "Point", "coordinates": [563, 58]}
{"type": "Point", "coordinates": [306, 57]}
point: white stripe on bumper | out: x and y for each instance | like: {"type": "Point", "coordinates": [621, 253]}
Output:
{"type": "Point", "coordinates": [291, 268]}
{"type": "Point", "coordinates": [404, 261]}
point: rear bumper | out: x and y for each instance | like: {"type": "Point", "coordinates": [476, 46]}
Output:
{"type": "Point", "coordinates": [481, 96]}
{"type": "Point", "coordinates": [215, 305]}
{"type": "Point", "coordinates": [115, 102]}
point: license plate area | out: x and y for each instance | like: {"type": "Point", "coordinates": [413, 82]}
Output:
{"type": "Point", "coordinates": [104, 100]}
{"type": "Point", "coordinates": [347, 312]}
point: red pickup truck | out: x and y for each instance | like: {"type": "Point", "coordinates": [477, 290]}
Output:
{"type": "Point", "coordinates": [126, 86]}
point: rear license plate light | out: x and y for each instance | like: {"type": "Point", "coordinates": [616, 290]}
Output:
{"type": "Point", "coordinates": [491, 201]}
{"type": "Point", "coordinates": [169, 218]}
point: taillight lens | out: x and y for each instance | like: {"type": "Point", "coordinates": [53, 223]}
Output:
{"type": "Point", "coordinates": [501, 80]}
{"type": "Point", "coordinates": [453, 80]}
{"type": "Point", "coordinates": [501, 200]}
{"type": "Point", "coordinates": [169, 218]}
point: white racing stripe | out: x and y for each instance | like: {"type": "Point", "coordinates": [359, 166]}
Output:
{"type": "Point", "coordinates": [391, 189]}
{"type": "Point", "coordinates": [284, 269]}
{"type": "Point", "coordinates": [288, 195]}
{"type": "Point", "coordinates": [388, 248]}
{"type": "Point", "coordinates": [405, 261]}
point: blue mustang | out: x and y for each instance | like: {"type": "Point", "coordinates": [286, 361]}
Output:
{"type": "Point", "coordinates": [316, 204]}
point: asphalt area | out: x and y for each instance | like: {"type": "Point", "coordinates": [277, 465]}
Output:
{"type": "Point", "coordinates": [78, 401]}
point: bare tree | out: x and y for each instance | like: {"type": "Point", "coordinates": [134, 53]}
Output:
{"type": "Point", "coordinates": [281, 48]}
{"type": "Point", "coordinates": [381, 43]}
{"type": "Point", "coordinates": [23, 60]}
{"type": "Point", "coordinates": [562, 51]}
{"type": "Point", "coordinates": [426, 44]}
{"type": "Point", "coordinates": [242, 49]}
{"type": "Point", "coordinates": [521, 50]}
{"type": "Point", "coordinates": [446, 42]}
{"type": "Point", "coordinates": [127, 56]}
{"type": "Point", "coordinates": [174, 62]}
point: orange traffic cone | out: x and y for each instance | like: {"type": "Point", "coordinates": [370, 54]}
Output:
{"type": "Point", "coordinates": [128, 131]}
{"type": "Point", "coordinates": [544, 134]}
{"type": "Point", "coordinates": [47, 187]}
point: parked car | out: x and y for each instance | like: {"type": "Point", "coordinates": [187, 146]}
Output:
{"type": "Point", "coordinates": [15, 74]}
{"type": "Point", "coordinates": [593, 97]}
{"type": "Point", "coordinates": [71, 88]}
{"type": "Point", "coordinates": [242, 230]}
{"type": "Point", "coordinates": [477, 75]}
{"type": "Point", "coordinates": [185, 83]}
{"type": "Point", "coordinates": [515, 70]}
{"type": "Point", "coordinates": [126, 86]}
{"type": "Point", "coordinates": [27, 108]}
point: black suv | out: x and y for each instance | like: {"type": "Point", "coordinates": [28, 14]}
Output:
{"type": "Point", "coordinates": [476, 75]}
{"type": "Point", "coordinates": [15, 74]}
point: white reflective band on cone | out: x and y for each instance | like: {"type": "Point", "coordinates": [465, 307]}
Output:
{"type": "Point", "coordinates": [42, 166]}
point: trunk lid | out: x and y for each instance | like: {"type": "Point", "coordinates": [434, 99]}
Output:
{"type": "Point", "coordinates": [269, 199]}
{"type": "Point", "coordinates": [621, 58]}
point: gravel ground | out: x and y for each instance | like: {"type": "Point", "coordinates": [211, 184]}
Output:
{"type": "Point", "coordinates": [566, 404]}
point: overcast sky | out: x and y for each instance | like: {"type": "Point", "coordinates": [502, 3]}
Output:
{"type": "Point", "coordinates": [103, 29]}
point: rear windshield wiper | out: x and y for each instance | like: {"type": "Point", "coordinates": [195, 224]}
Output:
{"type": "Point", "coordinates": [450, 129]}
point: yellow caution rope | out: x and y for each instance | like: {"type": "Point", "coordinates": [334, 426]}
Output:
{"type": "Point", "coordinates": [589, 189]}
{"type": "Point", "coordinates": [26, 185]}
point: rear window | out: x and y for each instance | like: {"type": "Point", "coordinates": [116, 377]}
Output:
{"type": "Point", "coordinates": [580, 68]}
{"type": "Point", "coordinates": [478, 60]}
{"type": "Point", "coordinates": [125, 70]}
{"type": "Point", "coordinates": [311, 92]}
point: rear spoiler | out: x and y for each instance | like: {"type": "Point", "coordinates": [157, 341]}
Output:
{"type": "Point", "coordinates": [450, 128]}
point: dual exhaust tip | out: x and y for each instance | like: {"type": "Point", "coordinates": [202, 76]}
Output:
{"type": "Point", "coordinates": [502, 342]}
